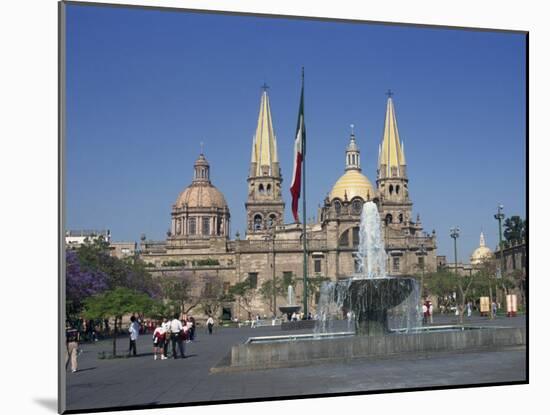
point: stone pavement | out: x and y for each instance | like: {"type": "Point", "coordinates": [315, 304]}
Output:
{"type": "Point", "coordinates": [142, 381]}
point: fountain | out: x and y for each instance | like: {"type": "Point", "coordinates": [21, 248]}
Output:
{"type": "Point", "coordinates": [370, 295]}
{"type": "Point", "coordinates": [376, 304]}
{"type": "Point", "coordinates": [291, 307]}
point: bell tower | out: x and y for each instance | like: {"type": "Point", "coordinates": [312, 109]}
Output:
{"type": "Point", "coordinates": [264, 205]}
{"type": "Point", "coordinates": [392, 181]}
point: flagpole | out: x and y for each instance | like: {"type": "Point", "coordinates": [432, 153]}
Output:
{"type": "Point", "coordinates": [304, 206]}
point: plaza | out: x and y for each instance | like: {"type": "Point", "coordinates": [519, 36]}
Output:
{"type": "Point", "coordinates": [102, 383]}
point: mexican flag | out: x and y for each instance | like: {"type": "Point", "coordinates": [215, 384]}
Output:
{"type": "Point", "coordinates": [299, 155]}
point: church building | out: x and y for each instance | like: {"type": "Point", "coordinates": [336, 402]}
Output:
{"type": "Point", "coordinates": [200, 245]}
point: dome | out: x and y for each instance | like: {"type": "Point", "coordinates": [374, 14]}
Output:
{"type": "Point", "coordinates": [481, 253]}
{"type": "Point", "coordinates": [201, 196]}
{"type": "Point", "coordinates": [352, 184]}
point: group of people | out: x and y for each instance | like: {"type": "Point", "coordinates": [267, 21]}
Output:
{"type": "Point", "coordinates": [427, 312]}
{"type": "Point", "coordinates": [176, 332]}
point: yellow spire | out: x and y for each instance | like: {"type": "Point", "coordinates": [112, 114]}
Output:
{"type": "Point", "coordinates": [392, 156]}
{"type": "Point", "coordinates": [264, 148]}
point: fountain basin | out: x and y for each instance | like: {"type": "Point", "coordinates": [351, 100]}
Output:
{"type": "Point", "coordinates": [370, 299]}
{"type": "Point", "coordinates": [295, 351]}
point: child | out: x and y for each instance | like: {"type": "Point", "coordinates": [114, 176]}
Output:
{"type": "Point", "coordinates": [159, 342]}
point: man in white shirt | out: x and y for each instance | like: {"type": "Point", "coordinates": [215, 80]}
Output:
{"type": "Point", "coordinates": [134, 334]}
{"type": "Point", "coordinates": [176, 336]}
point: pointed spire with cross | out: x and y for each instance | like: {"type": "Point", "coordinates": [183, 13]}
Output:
{"type": "Point", "coordinates": [389, 93]}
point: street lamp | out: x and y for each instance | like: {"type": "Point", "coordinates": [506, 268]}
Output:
{"type": "Point", "coordinates": [271, 237]}
{"type": "Point", "coordinates": [423, 253]}
{"type": "Point", "coordinates": [455, 233]}
{"type": "Point", "coordinates": [499, 216]}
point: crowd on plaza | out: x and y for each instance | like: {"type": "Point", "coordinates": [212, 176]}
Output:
{"type": "Point", "coordinates": [175, 332]}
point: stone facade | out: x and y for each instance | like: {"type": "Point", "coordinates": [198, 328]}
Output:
{"type": "Point", "coordinates": [271, 248]}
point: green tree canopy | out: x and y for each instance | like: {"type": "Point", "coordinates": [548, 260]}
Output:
{"type": "Point", "coordinates": [514, 229]}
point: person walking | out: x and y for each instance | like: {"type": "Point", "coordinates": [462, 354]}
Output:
{"type": "Point", "coordinates": [134, 334]}
{"type": "Point", "coordinates": [469, 309]}
{"type": "Point", "coordinates": [72, 337]}
{"type": "Point", "coordinates": [431, 312]}
{"type": "Point", "coordinates": [176, 337]}
{"type": "Point", "coordinates": [494, 309]}
{"type": "Point", "coordinates": [210, 324]}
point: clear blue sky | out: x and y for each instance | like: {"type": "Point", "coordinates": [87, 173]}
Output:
{"type": "Point", "coordinates": [145, 87]}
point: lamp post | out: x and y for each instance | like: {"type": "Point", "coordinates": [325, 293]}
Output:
{"type": "Point", "coordinates": [455, 233]}
{"type": "Point", "coordinates": [499, 216]}
{"type": "Point", "coordinates": [271, 237]}
{"type": "Point", "coordinates": [423, 253]}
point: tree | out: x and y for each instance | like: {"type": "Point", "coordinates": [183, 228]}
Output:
{"type": "Point", "coordinates": [244, 294]}
{"type": "Point", "coordinates": [445, 283]}
{"type": "Point", "coordinates": [212, 295]}
{"type": "Point", "coordinates": [129, 272]}
{"type": "Point", "coordinates": [178, 291]}
{"type": "Point", "coordinates": [115, 304]}
{"type": "Point", "coordinates": [268, 289]}
{"type": "Point", "coordinates": [514, 229]}
{"type": "Point", "coordinates": [81, 283]}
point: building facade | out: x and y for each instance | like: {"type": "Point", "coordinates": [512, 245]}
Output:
{"type": "Point", "coordinates": [199, 241]}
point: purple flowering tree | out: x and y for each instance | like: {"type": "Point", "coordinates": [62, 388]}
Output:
{"type": "Point", "coordinates": [81, 283]}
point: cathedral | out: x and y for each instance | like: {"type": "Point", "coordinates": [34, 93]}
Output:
{"type": "Point", "coordinates": [200, 245]}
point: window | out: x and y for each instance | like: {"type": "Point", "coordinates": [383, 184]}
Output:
{"type": "Point", "coordinates": [271, 221]}
{"type": "Point", "coordinates": [253, 279]}
{"type": "Point", "coordinates": [226, 286]}
{"type": "Point", "coordinates": [261, 189]}
{"type": "Point", "coordinates": [192, 226]}
{"type": "Point", "coordinates": [395, 264]}
{"type": "Point", "coordinates": [355, 237]}
{"type": "Point", "coordinates": [337, 207]}
{"type": "Point", "coordinates": [397, 189]}
{"type": "Point", "coordinates": [389, 219]}
{"type": "Point", "coordinates": [317, 265]}
{"type": "Point", "coordinates": [357, 206]}
{"type": "Point", "coordinates": [344, 239]}
{"type": "Point", "coordinates": [268, 189]}
{"type": "Point", "coordinates": [206, 226]}
{"type": "Point", "coordinates": [421, 262]}
{"type": "Point", "coordinates": [391, 189]}
{"type": "Point", "coordinates": [257, 222]}
{"type": "Point", "coordinates": [287, 278]}
{"type": "Point", "coordinates": [400, 218]}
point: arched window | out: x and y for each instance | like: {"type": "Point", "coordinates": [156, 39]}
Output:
{"type": "Point", "coordinates": [391, 189]}
{"type": "Point", "coordinates": [261, 189]}
{"type": "Point", "coordinates": [206, 226]}
{"type": "Point", "coordinates": [389, 218]}
{"type": "Point", "coordinates": [400, 218]}
{"type": "Point", "coordinates": [344, 239]}
{"type": "Point", "coordinates": [397, 189]}
{"type": "Point", "coordinates": [355, 237]}
{"type": "Point", "coordinates": [192, 226]}
{"type": "Point", "coordinates": [337, 207]}
{"type": "Point", "coordinates": [357, 206]}
{"type": "Point", "coordinates": [257, 222]}
{"type": "Point", "coordinates": [271, 220]}
{"type": "Point", "coordinates": [268, 189]}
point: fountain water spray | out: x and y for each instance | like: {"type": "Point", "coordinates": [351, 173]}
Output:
{"type": "Point", "coordinates": [372, 299]}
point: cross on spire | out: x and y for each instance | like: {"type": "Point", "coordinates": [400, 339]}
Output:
{"type": "Point", "coordinates": [352, 126]}
{"type": "Point", "coordinates": [389, 93]}
{"type": "Point", "coordinates": [202, 147]}
{"type": "Point", "coordinates": [265, 86]}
